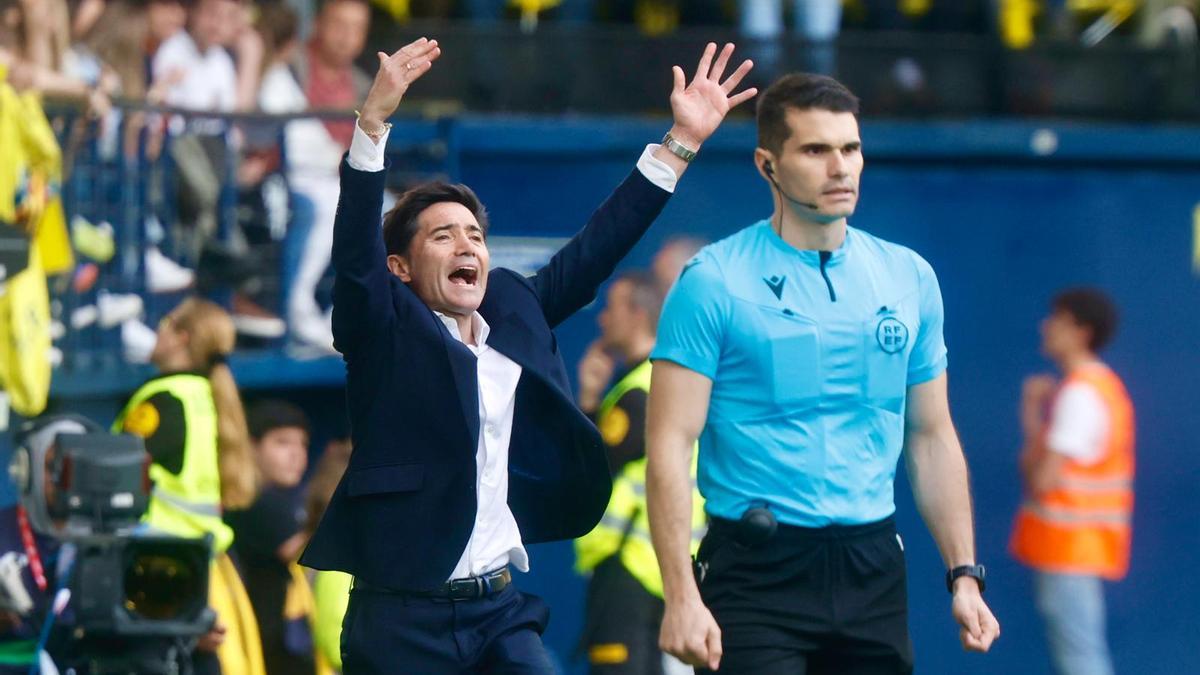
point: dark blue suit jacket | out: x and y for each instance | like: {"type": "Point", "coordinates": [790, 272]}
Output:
{"type": "Point", "coordinates": [403, 512]}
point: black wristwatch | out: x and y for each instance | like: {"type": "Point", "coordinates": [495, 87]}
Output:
{"type": "Point", "coordinates": [976, 572]}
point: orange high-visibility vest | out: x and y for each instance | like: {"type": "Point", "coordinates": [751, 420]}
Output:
{"type": "Point", "coordinates": [1082, 525]}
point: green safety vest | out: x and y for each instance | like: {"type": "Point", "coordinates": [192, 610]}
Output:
{"type": "Point", "coordinates": [187, 504]}
{"type": "Point", "coordinates": [625, 527]}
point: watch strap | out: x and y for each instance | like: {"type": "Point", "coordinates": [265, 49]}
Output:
{"type": "Point", "coordinates": [976, 572]}
{"type": "Point", "coordinates": [678, 149]}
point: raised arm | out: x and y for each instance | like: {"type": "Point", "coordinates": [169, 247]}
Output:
{"type": "Point", "coordinates": [937, 471]}
{"type": "Point", "coordinates": [361, 290]}
{"type": "Point", "coordinates": [572, 277]}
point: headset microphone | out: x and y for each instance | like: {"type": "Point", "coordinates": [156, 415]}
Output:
{"type": "Point", "coordinates": [770, 170]}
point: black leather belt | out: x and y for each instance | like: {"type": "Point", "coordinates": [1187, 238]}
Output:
{"type": "Point", "coordinates": [468, 588]}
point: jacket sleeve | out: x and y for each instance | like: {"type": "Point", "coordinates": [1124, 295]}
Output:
{"type": "Point", "coordinates": [573, 276]}
{"type": "Point", "coordinates": [362, 297]}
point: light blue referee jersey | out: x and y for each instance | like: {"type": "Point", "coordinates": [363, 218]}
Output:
{"type": "Point", "coordinates": [810, 354]}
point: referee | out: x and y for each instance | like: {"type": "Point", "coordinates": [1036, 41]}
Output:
{"type": "Point", "coordinates": [805, 355]}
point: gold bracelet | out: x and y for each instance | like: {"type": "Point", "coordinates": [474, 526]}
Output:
{"type": "Point", "coordinates": [375, 135]}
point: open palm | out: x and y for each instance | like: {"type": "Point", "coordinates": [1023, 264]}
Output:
{"type": "Point", "coordinates": [700, 107]}
{"type": "Point", "coordinates": [396, 72]}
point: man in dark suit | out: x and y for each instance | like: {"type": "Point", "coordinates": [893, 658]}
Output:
{"type": "Point", "coordinates": [467, 443]}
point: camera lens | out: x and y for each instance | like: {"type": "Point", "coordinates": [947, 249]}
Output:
{"type": "Point", "coordinates": [161, 584]}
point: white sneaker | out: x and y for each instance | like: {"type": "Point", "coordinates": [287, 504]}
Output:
{"type": "Point", "coordinates": [117, 308]}
{"type": "Point", "coordinates": [111, 309]}
{"type": "Point", "coordinates": [252, 320]}
{"type": "Point", "coordinates": [137, 341]}
{"type": "Point", "coordinates": [164, 275]}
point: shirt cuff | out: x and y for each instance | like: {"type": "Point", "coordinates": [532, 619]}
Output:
{"type": "Point", "coordinates": [365, 154]}
{"type": "Point", "coordinates": [655, 170]}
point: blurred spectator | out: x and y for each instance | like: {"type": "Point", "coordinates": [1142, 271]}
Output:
{"type": "Point", "coordinates": [330, 588]}
{"type": "Point", "coordinates": [165, 18]}
{"type": "Point", "coordinates": [1077, 466]}
{"type": "Point", "coordinates": [671, 258]}
{"type": "Point", "coordinates": [19, 634]}
{"type": "Point", "coordinates": [194, 428]}
{"type": "Point", "coordinates": [815, 21]}
{"type": "Point", "coordinates": [624, 599]}
{"type": "Point", "coordinates": [269, 536]}
{"type": "Point", "coordinates": [1153, 22]}
{"type": "Point", "coordinates": [1168, 21]}
{"type": "Point", "coordinates": [329, 80]}
{"type": "Point", "coordinates": [34, 42]}
{"type": "Point", "coordinates": [197, 73]}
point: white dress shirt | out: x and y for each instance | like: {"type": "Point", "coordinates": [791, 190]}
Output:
{"type": "Point", "coordinates": [495, 539]}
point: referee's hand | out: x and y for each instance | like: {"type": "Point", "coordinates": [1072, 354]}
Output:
{"type": "Point", "coordinates": [690, 634]}
{"type": "Point", "coordinates": [978, 627]}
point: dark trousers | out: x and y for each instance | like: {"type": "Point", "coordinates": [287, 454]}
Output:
{"type": "Point", "coordinates": [622, 623]}
{"type": "Point", "coordinates": [393, 634]}
{"type": "Point", "coordinates": [809, 601]}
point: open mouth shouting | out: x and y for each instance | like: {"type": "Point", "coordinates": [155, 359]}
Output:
{"type": "Point", "coordinates": [465, 275]}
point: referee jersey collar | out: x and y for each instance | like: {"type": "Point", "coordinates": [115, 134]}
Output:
{"type": "Point", "coordinates": [809, 257]}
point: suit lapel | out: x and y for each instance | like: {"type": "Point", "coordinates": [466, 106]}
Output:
{"type": "Point", "coordinates": [512, 338]}
{"type": "Point", "coordinates": [464, 365]}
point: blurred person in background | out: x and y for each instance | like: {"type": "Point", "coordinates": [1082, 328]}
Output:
{"type": "Point", "coordinates": [331, 588]}
{"type": "Point", "coordinates": [624, 599]}
{"type": "Point", "coordinates": [1077, 466]}
{"type": "Point", "coordinates": [805, 356]}
{"type": "Point", "coordinates": [191, 419]}
{"type": "Point", "coordinates": [35, 51]}
{"type": "Point", "coordinates": [197, 73]}
{"type": "Point", "coordinates": [425, 513]}
{"type": "Point", "coordinates": [329, 80]}
{"type": "Point", "coordinates": [269, 535]}
{"type": "Point", "coordinates": [671, 258]}
{"type": "Point", "coordinates": [816, 22]}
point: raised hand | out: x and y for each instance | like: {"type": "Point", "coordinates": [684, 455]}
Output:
{"type": "Point", "coordinates": [1036, 392]}
{"type": "Point", "coordinates": [700, 107]}
{"type": "Point", "coordinates": [595, 370]}
{"type": "Point", "coordinates": [396, 73]}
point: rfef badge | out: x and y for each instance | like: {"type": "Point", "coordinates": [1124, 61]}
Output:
{"type": "Point", "coordinates": [891, 335]}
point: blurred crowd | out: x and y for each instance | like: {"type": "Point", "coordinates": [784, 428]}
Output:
{"type": "Point", "coordinates": [231, 116]}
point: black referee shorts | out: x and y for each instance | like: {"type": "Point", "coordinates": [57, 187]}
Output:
{"type": "Point", "coordinates": [808, 601]}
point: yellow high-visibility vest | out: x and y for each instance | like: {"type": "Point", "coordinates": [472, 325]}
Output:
{"type": "Point", "coordinates": [625, 527]}
{"type": "Point", "coordinates": [187, 504]}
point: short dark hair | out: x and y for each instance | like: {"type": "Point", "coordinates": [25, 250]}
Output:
{"type": "Point", "coordinates": [400, 224]}
{"type": "Point", "coordinates": [645, 294]}
{"type": "Point", "coordinates": [266, 416]}
{"type": "Point", "coordinates": [798, 91]}
{"type": "Point", "coordinates": [1091, 308]}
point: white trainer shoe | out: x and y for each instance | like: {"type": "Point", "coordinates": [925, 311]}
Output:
{"type": "Point", "coordinates": [164, 275]}
{"type": "Point", "coordinates": [137, 341]}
